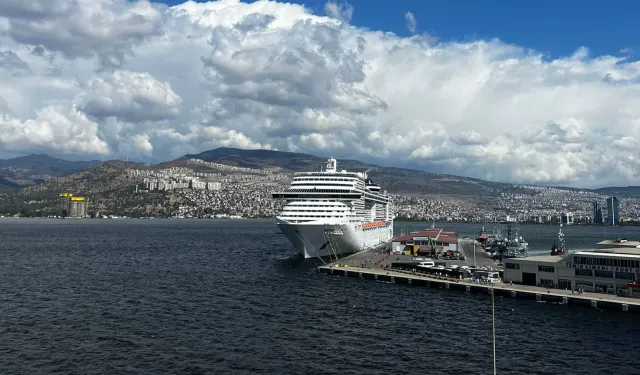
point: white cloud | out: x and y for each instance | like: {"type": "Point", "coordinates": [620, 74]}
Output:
{"type": "Point", "coordinates": [132, 97]}
{"type": "Point", "coordinates": [70, 133]}
{"type": "Point", "coordinates": [412, 23]}
{"type": "Point", "coordinates": [152, 81]}
{"type": "Point", "coordinates": [342, 12]}
{"type": "Point", "coordinates": [83, 28]}
{"type": "Point", "coordinates": [138, 145]}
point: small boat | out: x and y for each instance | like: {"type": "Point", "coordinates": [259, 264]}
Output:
{"type": "Point", "coordinates": [559, 247]}
{"type": "Point", "coordinates": [483, 237]}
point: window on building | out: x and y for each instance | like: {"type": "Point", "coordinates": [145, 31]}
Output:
{"type": "Point", "coordinates": [583, 272]}
{"type": "Point", "coordinates": [600, 273]}
{"type": "Point", "coordinates": [545, 269]}
{"type": "Point", "coordinates": [624, 275]}
{"type": "Point", "coordinates": [513, 266]}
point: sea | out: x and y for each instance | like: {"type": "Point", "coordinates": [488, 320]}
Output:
{"type": "Point", "coordinates": [233, 297]}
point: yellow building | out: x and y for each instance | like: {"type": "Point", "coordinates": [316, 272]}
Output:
{"type": "Point", "coordinates": [74, 206]}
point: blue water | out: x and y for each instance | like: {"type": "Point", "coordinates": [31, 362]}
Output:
{"type": "Point", "coordinates": [218, 297]}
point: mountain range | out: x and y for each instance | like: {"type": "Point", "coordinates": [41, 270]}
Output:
{"type": "Point", "coordinates": [396, 180]}
{"type": "Point", "coordinates": [36, 168]}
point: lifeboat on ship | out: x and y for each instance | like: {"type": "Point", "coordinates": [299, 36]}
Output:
{"type": "Point", "coordinates": [374, 224]}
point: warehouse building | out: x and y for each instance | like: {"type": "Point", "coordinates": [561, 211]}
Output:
{"type": "Point", "coordinates": [604, 270]}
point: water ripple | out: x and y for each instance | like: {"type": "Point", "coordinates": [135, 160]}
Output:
{"type": "Point", "coordinates": [202, 297]}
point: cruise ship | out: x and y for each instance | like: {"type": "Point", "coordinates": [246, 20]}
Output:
{"type": "Point", "coordinates": [333, 213]}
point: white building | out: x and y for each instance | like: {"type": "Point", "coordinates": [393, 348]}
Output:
{"type": "Point", "coordinates": [607, 270]}
{"type": "Point", "coordinates": [197, 184]}
{"type": "Point", "coordinates": [566, 218]}
{"type": "Point", "coordinates": [213, 186]}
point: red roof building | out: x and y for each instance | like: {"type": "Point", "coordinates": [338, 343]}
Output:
{"type": "Point", "coordinates": [446, 240]}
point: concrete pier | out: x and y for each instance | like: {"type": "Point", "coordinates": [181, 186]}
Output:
{"type": "Point", "coordinates": [375, 269]}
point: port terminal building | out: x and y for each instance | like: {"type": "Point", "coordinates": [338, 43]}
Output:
{"type": "Point", "coordinates": [611, 270]}
{"type": "Point", "coordinates": [421, 241]}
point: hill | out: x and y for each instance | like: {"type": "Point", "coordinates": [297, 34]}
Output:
{"type": "Point", "coordinates": [108, 176]}
{"type": "Point", "coordinates": [620, 191]}
{"type": "Point", "coordinates": [37, 168]}
{"type": "Point", "coordinates": [395, 180]}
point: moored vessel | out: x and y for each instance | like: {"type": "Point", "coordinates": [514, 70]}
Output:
{"type": "Point", "coordinates": [334, 213]}
{"type": "Point", "coordinates": [559, 246]}
{"type": "Point", "coordinates": [514, 246]}
{"type": "Point", "coordinates": [482, 238]}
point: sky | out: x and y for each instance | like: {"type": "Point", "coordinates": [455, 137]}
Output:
{"type": "Point", "coordinates": [541, 93]}
{"type": "Point", "coordinates": [554, 28]}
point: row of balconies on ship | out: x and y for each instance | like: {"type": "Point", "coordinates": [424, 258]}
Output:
{"type": "Point", "coordinates": [337, 194]}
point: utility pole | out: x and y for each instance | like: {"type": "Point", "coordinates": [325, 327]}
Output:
{"type": "Point", "coordinates": [474, 253]}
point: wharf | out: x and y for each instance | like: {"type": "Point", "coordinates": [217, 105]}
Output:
{"type": "Point", "coordinates": [372, 265]}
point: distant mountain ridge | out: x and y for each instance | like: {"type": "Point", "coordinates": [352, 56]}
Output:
{"type": "Point", "coordinates": [37, 168]}
{"type": "Point", "coordinates": [619, 191]}
{"type": "Point", "coordinates": [395, 180]}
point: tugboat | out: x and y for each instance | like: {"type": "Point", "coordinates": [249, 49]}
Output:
{"type": "Point", "coordinates": [559, 247]}
{"type": "Point", "coordinates": [482, 238]}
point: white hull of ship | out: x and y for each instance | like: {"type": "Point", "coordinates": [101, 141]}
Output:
{"type": "Point", "coordinates": [320, 239]}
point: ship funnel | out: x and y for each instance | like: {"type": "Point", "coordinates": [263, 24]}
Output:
{"type": "Point", "coordinates": [331, 165]}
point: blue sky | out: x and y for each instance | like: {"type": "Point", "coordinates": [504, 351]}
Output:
{"type": "Point", "coordinates": [555, 28]}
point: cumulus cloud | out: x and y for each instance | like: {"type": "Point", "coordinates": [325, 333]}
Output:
{"type": "Point", "coordinates": [151, 81]}
{"type": "Point", "coordinates": [131, 97]}
{"type": "Point", "coordinates": [340, 11]}
{"type": "Point", "coordinates": [410, 18]}
{"type": "Point", "coordinates": [83, 28]}
{"type": "Point", "coordinates": [137, 145]}
{"type": "Point", "coordinates": [11, 62]}
{"type": "Point", "coordinates": [70, 132]}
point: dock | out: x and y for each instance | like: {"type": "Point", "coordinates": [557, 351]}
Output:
{"type": "Point", "coordinates": [373, 265]}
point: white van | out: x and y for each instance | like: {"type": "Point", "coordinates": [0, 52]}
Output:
{"type": "Point", "coordinates": [427, 264]}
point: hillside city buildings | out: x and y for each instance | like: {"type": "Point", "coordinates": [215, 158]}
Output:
{"type": "Point", "coordinates": [194, 188]}
{"type": "Point", "coordinates": [223, 189]}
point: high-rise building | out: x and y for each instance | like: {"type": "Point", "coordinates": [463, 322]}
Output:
{"type": "Point", "coordinates": [71, 206]}
{"type": "Point", "coordinates": [613, 211]}
{"type": "Point", "coordinates": [597, 213]}
{"type": "Point", "coordinates": [77, 207]}
{"type": "Point", "coordinates": [566, 218]}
